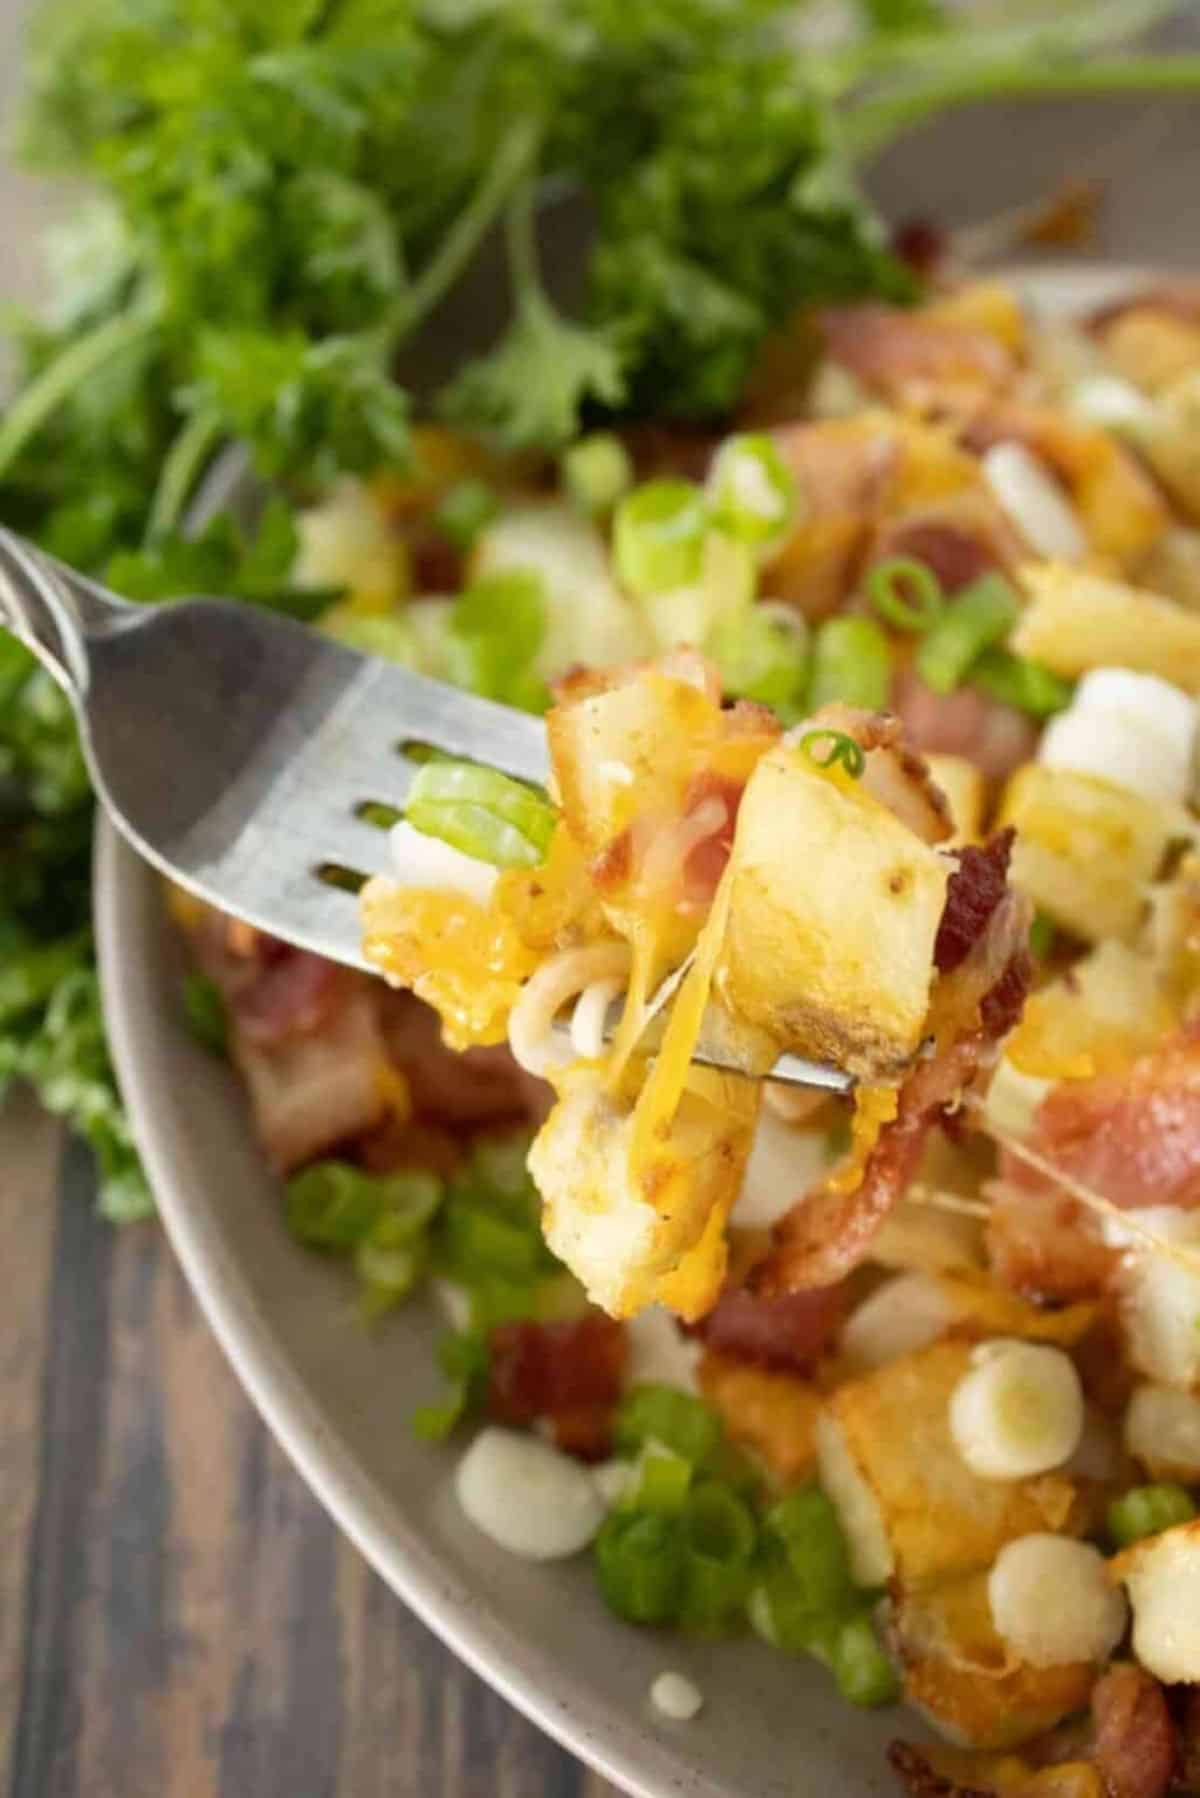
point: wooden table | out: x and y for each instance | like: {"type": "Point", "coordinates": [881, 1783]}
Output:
{"type": "Point", "coordinates": [178, 1616]}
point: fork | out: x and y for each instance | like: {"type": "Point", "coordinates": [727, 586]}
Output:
{"type": "Point", "coordinates": [247, 757]}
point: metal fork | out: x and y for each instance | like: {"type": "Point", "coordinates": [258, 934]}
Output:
{"type": "Point", "coordinates": [246, 756]}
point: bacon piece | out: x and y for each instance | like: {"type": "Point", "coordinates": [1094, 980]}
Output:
{"type": "Point", "coordinates": [790, 1332]}
{"type": "Point", "coordinates": [310, 1093]}
{"type": "Point", "coordinates": [906, 357]}
{"type": "Point", "coordinates": [705, 861]}
{"type": "Point", "coordinates": [1044, 1245]}
{"type": "Point", "coordinates": [472, 1088]}
{"type": "Point", "coordinates": [1179, 298]}
{"type": "Point", "coordinates": [973, 892]}
{"type": "Point", "coordinates": [1189, 1739]}
{"type": "Point", "coordinates": [1132, 1137]}
{"type": "Point", "coordinates": [831, 1229]}
{"type": "Point", "coordinates": [960, 538]}
{"type": "Point", "coordinates": [294, 994]}
{"type": "Point", "coordinates": [996, 737]}
{"type": "Point", "coordinates": [1135, 1740]}
{"type": "Point", "coordinates": [569, 1373]}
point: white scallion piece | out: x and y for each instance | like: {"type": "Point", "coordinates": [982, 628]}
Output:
{"type": "Point", "coordinates": [1053, 1603]}
{"type": "Point", "coordinates": [1018, 1411]}
{"type": "Point", "coordinates": [676, 1697]}
{"type": "Point", "coordinates": [1033, 501]}
{"type": "Point", "coordinates": [421, 861]}
{"type": "Point", "coordinates": [529, 1498]}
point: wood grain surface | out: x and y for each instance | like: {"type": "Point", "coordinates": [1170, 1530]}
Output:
{"type": "Point", "coordinates": [178, 1617]}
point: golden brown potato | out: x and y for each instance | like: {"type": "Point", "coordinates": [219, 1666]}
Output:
{"type": "Point", "coordinates": [1085, 851]}
{"type": "Point", "coordinates": [1162, 1576]}
{"type": "Point", "coordinates": [774, 1414]}
{"type": "Point", "coordinates": [966, 793]}
{"type": "Point", "coordinates": [834, 909]}
{"type": "Point", "coordinates": [1075, 621]}
{"type": "Point", "coordinates": [965, 1680]}
{"type": "Point", "coordinates": [908, 1502]}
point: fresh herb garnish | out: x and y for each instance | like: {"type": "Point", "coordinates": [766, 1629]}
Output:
{"type": "Point", "coordinates": [832, 749]}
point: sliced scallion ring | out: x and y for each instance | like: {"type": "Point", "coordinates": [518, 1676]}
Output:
{"type": "Point", "coordinates": [906, 593]}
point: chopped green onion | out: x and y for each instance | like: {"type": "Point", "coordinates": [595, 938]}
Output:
{"type": "Point", "coordinates": [465, 512]}
{"type": "Point", "coordinates": [389, 1261]}
{"type": "Point", "coordinates": [779, 1611]}
{"type": "Point", "coordinates": [1018, 682]}
{"type": "Point", "coordinates": [483, 1242]}
{"type": "Point", "coordinates": [481, 812]}
{"type": "Point", "coordinates": [852, 663]}
{"type": "Point", "coordinates": [597, 471]}
{"type": "Point", "coordinates": [332, 1205]}
{"type": "Point", "coordinates": [975, 620]}
{"type": "Point", "coordinates": [825, 748]}
{"type": "Point", "coordinates": [658, 537]}
{"type": "Point", "coordinates": [864, 1674]}
{"type": "Point", "coordinates": [762, 654]}
{"type": "Point", "coordinates": [1148, 1510]}
{"type": "Point", "coordinates": [463, 1357]}
{"type": "Point", "coordinates": [906, 593]}
{"type": "Point", "coordinates": [751, 490]}
{"type": "Point", "coordinates": [639, 1563]}
{"type": "Point", "coordinates": [663, 1479]}
{"type": "Point", "coordinates": [497, 626]}
{"type": "Point", "coordinates": [1042, 934]}
{"type": "Point", "coordinates": [664, 1414]}
{"type": "Point", "coordinates": [720, 1539]}
{"type": "Point", "coordinates": [205, 1011]}
{"type": "Point", "coordinates": [806, 1523]}
{"type": "Point", "coordinates": [500, 1164]}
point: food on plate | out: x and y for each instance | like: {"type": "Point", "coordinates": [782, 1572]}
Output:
{"type": "Point", "coordinates": [871, 729]}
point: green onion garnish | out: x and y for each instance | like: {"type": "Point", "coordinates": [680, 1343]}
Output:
{"type": "Point", "coordinates": [663, 1480]}
{"type": "Point", "coordinates": [762, 653]}
{"type": "Point", "coordinates": [1042, 935]}
{"type": "Point", "coordinates": [1147, 1511]}
{"type": "Point", "coordinates": [1021, 683]}
{"type": "Point", "coordinates": [720, 1538]}
{"type": "Point", "coordinates": [482, 813]}
{"type": "Point", "coordinates": [851, 662]}
{"type": "Point", "coordinates": [652, 1413]}
{"type": "Point", "coordinates": [465, 512]}
{"type": "Point", "coordinates": [494, 632]}
{"type": "Point", "coordinates": [906, 593]}
{"type": "Point", "coordinates": [597, 471]}
{"type": "Point", "coordinates": [806, 1524]}
{"type": "Point", "coordinates": [978, 618]}
{"type": "Point", "coordinates": [863, 1672]}
{"type": "Point", "coordinates": [751, 490]}
{"type": "Point", "coordinates": [658, 537]}
{"type": "Point", "coordinates": [639, 1563]}
{"type": "Point", "coordinates": [828, 748]}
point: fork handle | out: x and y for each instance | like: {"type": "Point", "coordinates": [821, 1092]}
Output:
{"type": "Point", "coordinates": [52, 610]}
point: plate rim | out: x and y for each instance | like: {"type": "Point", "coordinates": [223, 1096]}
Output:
{"type": "Point", "coordinates": [390, 1546]}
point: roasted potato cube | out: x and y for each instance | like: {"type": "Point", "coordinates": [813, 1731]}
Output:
{"type": "Point", "coordinates": [964, 1680]}
{"type": "Point", "coordinates": [909, 1504]}
{"type": "Point", "coordinates": [1085, 850]}
{"type": "Point", "coordinates": [1152, 347]}
{"type": "Point", "coordinates": [834, 909]}
{"type": "Point", "coordinates": [774, 1414]}
{"type": "Point", "coordinates": [1075, 621]}
{"type": "Point", "coordinates": [629, 1247]}
{"type": "Point", "coordinates": [1162, 1576]}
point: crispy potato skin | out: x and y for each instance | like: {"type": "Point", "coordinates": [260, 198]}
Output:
{"type": "Point", "coordinates": [773, 1413]}
{"type": "Point", "coordinates": [1075, 621]}
{"type": "Point", "coordinates": [939, 1518]}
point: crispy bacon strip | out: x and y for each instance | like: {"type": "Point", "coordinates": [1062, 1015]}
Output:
{"type": "Point", "coordinates": [790, 1332]}
{"type": "Point", "coordinates": [567, 1373]}
{"type": "Point", "coordinates": [1044, 1245]}
{"type": "Point", "coordinates": [996, 737]}
{"type": "Point", "coordinates": [830, 1230]}
{"type": "Point", "coordinates": [1135, 1748]}
{"type": "Point", "coordinates": [1132, 1137]}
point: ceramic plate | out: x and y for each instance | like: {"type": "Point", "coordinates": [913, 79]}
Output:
{"type": "Point", "coordinates": [338, 1398]}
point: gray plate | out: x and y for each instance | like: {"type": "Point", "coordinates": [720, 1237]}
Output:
{"type": "Point", "coordinates": [338, 1398]}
